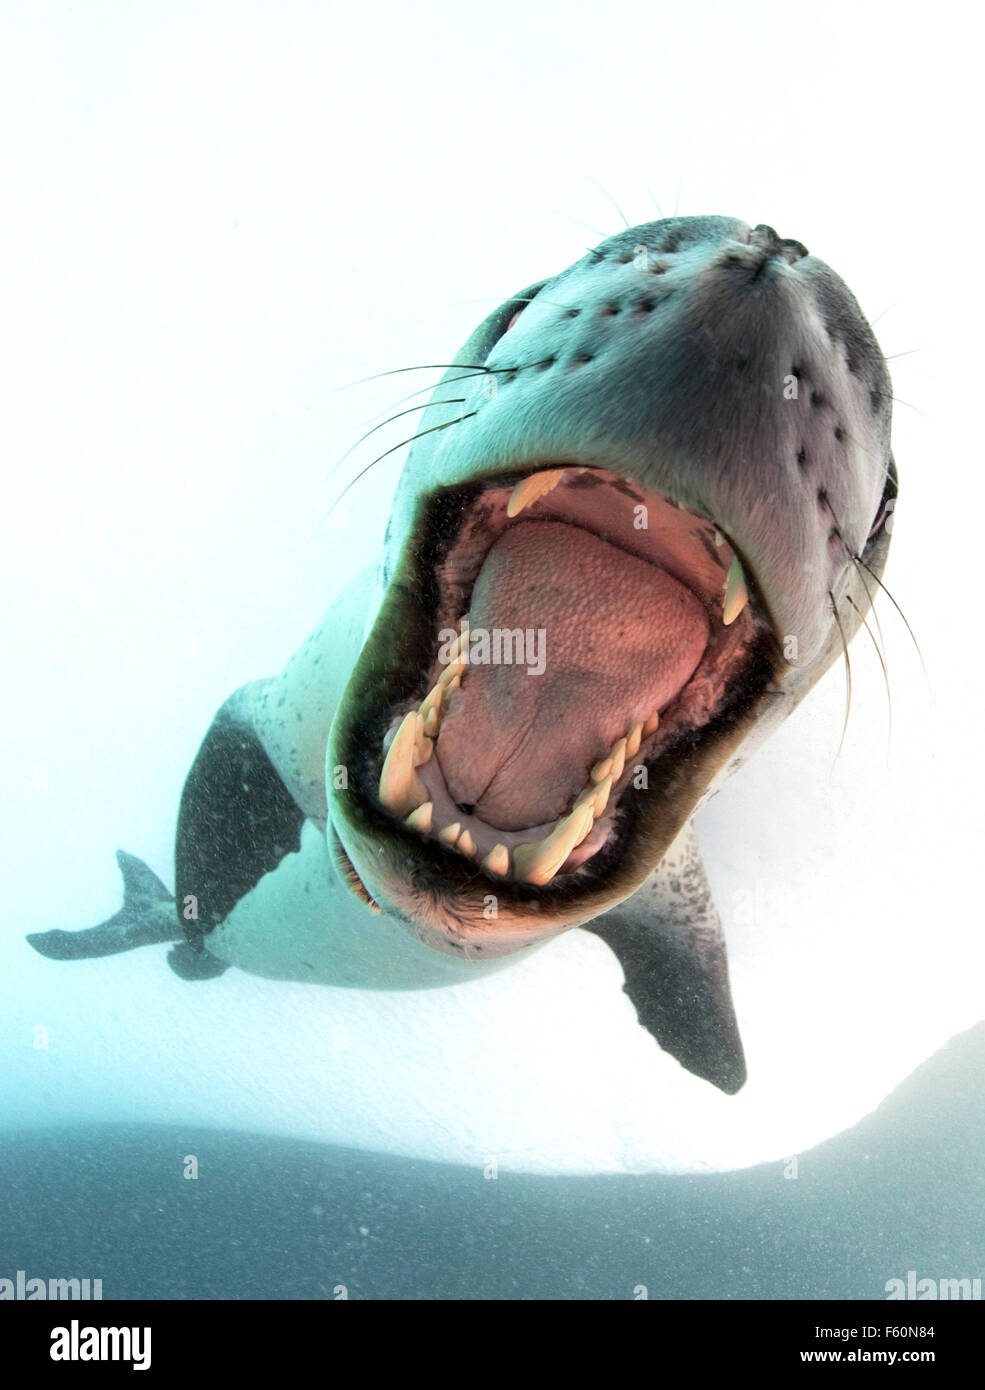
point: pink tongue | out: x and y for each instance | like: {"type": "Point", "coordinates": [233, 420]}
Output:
{"type": "Point", "coordinates": [615, 639]}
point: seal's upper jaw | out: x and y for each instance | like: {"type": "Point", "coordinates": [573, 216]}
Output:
{"type": "Point", "coordinates": [546, 756]}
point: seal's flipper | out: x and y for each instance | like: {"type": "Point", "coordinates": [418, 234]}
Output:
{"type": "Point", "coordinates": [668, 940]}
{"type": "Point", "coordinates": [146, 918]}
{"type": "Point", "coordinates": [191, 964]}
{"type": "Point", "coordinates": [236, 822]}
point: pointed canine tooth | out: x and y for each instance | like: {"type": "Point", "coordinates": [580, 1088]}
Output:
{"type": "Point", "coordinates": [601, 769]}
{"type": "Point", "coordinates": [595, 795]}
{"type": "Point", "coordinates": [497, 861]}
{"type": "Point", "coordinates": [618, 756]}
{"type": "Point", "coordinates": [423, 749]}
{"type": "Point", "coordinates": [602, 795]}
{"type": "Point", "coordinates": [538, 863]}
{"type": "Point", "coordinates": [421, 818]}
{"type": "Point", "coordinates": [452, 675]}
{"type": "Point", "coordinates": [633, 740]}
{"type": "Point", "coordinates": [736, 593]}
{"type": "Point", "coordinates": [466, 845]}
{"type": "Point", "coordinates": [430, 710]}
{"type": "Point", "coordinates": [401, 790]}
{"type": "Point", "coordinates": [536, 485]}
{"type": "Point", "coordinates": [450, 834]}
{"type": "Point", "coordinates": [652, 724]}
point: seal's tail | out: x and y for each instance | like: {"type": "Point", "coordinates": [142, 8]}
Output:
{"type": "Point", "coordinates": [147, 916]}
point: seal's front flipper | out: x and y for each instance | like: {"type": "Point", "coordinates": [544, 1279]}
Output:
{"type": "Point", "coordinates": [146, 918]}
{"type": "Point", "coordinates": [668, 940]}
{"type": "Point", "coordinates": [191, 964]}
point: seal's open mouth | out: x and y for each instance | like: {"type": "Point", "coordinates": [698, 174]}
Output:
{"type": "Point", "coordinates": [565, 642]}
{"type": "Point", "coordinates": [596, 624]}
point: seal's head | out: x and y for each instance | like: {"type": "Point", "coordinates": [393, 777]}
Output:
{"type": "Point", "coordinates": [646, 511]}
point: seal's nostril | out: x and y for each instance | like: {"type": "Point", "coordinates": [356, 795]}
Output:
{"type": "Point", "coordinates": [782, 248]}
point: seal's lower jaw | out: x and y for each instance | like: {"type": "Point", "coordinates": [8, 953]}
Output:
{"type": "Point", "coordinates": [557, 674]}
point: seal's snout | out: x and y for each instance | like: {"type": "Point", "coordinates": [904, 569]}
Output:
{"type": "Point", "coordinates": [761, 252]}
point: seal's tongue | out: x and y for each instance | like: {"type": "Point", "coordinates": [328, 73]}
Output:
{"type": "Point", "coordinates": [607, 639]}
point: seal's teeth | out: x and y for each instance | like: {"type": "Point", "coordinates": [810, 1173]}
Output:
{"type": "Point", "coordinates": [602, 795]}
{"type": "Point", "coordinates": [651, 725]}
{"type": "Point", "coordinates": [423, 749]}
{"type": "Point", "coordinates": [618, 757]}
{"type": "Point", "coordinates": [736, 593]}
{"type": "Point", "coordinates": [595, 796]}
{"type": "Point", "coordinates": [601, 769]}
{"type": "Point", "coordinates": [497, 861]}
{"type": "Point", "coordinates": [430, 710]}
{"type": "Point", "coordinates": [633, 740]}
{"type": "Point", "coordinates": [421, 818]}
{"type": "Point", "coordinates": [401, 790]}
{"type": "Point", "coordinates": [451, 677]}
{"type": "Point", "coordinates": [527, 492]}
{"type": "Point", "coordinates": [538, 863]}
{"type": "Point", "coordinates": [450, 834]}
{"type": "Point", "coordinates": [466, 845]}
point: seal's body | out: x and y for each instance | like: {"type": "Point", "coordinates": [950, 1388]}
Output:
{"type": "Point", "coordinates": [644, 513]}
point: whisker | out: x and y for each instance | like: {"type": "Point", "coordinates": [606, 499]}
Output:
{"type": "Point", "coordinates": [848, 673]}
{"type": "Point", "coordinates": [908, 353]}
{"type": "Point", "coordinates": [363, 471]}
{"type": "Point", "coordinates": [888, 308]}
{"type": "Point", "coordinates": [869, 570]}
{"type": "Point", "coordinates": [424, 367]}
{"type": "Point", "coordinates": [580, 221]}
{"type": "Point", "coordinates": [654, 199]}
{"type": "Point", "coordinates": [868, 595]}
{"type": "Point", "coordinates": [459, 400]}
{"type": "Point", "coordinates": [885, 674]}
{"type": "Point", "coordinates": [612, 201]}
{"type": "Point", "coordinates": [898, 400]}
{"type": "Point", "coordinates": [512, 299]}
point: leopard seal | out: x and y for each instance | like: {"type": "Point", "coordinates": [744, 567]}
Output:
{"type": "Point", "coordinates": [673, 460]}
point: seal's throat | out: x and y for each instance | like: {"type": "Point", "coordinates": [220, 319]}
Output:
{"type": "Point", "coordinates": [563, 644]}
